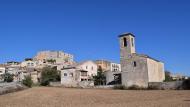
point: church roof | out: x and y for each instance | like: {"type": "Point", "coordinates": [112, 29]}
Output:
{"type": "Point", "coordinates": [146, 56]}
{"type": "Point", "coordinates": [126, 34]}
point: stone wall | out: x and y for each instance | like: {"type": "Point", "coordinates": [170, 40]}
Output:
{"type": "Point", "coordinates": [135, 75]}
{"type": "Point", "coordinates": [155, 71]}
{"type": "Point", "coordinates": [166, 85]}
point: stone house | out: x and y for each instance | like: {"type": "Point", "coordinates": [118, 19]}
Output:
{"type": "Point", "coordinates": [138, 69]}
{"type": "Point", "coordinates": [59, 57]}
{"type": "Point", "coordinates": [80, 72]}
{"type": "Point", "coordinates": [103, 64]}
{"type": "Point", "coordinates": [29, 63]}
{"type": "Point", "coordinates": [108, 65]}
{"type": "Point", "coordinates": [2, 71]}
{"type": "Point", "coordinates": [115, 67]}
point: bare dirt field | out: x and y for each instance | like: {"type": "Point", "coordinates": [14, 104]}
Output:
{"type": "Point", "coordinates": [62, 97]}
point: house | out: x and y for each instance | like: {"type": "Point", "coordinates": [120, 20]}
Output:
{"type": "Point", "coordinates": [2, 71]}
{"type": "Point", "coordinates": [108, 65]}
{"type": "Point", "coordinates": [178, 77]}
{"type": "Point", "coordinates": [115, 67]}
{"type": "Point", "coordinates": [111, 70]}
{"type": "Point", "coordinates": [103, 64]}
{"type": "Point", "coordinates": [57, 57]}
{"type": "Point", "coordinates": [83, 71]}
{"type": "Point", "coordinates": [13, 63]}
{"type": "Point", "coordinates": [29, 63]}
{"type": "Point", "coordinates": [138, 69]}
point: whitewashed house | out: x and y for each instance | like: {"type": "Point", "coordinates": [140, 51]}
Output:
{"type": "Point", "coordinates": [81, 72]}
{"type": "Point", "coordinates": [2, 71]}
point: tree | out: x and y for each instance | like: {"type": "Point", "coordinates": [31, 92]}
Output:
{"type": "Point", "coordinates": [28, 59]}
{"type": "Point", "coordinates": [28, 81]}
{"type": "Point", "coordinates": [8, 77]}
{"type": "Point", "coordinates": [168, 78]}
{"type": "Point", "coordinates": [52, 61]}
{"type": "Point", "coordinates": [100, 78]}
{"type": "Point", "coordinates": [49, 75]}
{"type": "Point", "coordinates": [186, 84]}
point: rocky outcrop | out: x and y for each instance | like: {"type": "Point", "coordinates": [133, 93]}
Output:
{"type": "Point", "coordinates": [10, 87]}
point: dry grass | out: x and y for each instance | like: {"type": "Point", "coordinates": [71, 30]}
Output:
{"type": "Point", "coordinates": [61, 97]}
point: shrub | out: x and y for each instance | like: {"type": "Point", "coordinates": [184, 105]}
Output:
{"type": "Point", "coordinates": [135, 87]}
{"type": "Point", "coordinates": [8, 77]}
{"type": "Point", "coordinates": [28, 81]}
{"type": "Point", "coordinates": [151, 87]}
{"type": "Point", "coordinates": [119, 87]}
{"type": "Point", "coordinates": [49, 75]}
{"type": "Point", "coordinates": [186, 84]}
{"type": "Point", "coordinates": [168, 78]}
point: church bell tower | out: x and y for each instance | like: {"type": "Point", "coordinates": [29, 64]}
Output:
{"type": "Point", "coordinates": [127, 44]}
{"type": "Point", "coordinates": [127, 48]}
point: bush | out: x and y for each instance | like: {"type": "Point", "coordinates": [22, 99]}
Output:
{"type": "Point", "coordinates": [151, 87]}
{"type": "Point", "coordinates": [135, 87]}
{"type": "Point", "coordinates": [168, 78]}
{"type": "Point", "coordinates": [186, 84]}
{"type": "Point", "coordinates": [8, 77]}
{"type": "Point", "coordinates": [49, 75]}
{"type": "Point", "coordinates": [28, 81]}
{"type": "Point", "coordinates": [119, 87]}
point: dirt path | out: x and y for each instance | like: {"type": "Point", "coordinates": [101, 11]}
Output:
{"type": "Point", "coordinates": [60, 97]}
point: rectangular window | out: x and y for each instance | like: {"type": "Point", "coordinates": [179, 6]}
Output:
{"type": "Point", "coordinates": [86, 67]}
{"type": "Point", "coordinates": [124, 42]}
{"type": "Point", "coordinates": [83, 73]}
{"type": "Point", "coordinates": [134, 64]}
{"type": "Point", "coordinates": [65, 74]}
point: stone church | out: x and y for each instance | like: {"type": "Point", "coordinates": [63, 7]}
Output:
{"type": "Point", "coordinates": [138, 69]}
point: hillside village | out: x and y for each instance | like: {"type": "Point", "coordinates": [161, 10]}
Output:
{"type": "Point", "coordinates": [134, 69]}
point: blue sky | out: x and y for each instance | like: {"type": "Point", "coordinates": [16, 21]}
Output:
{"type": "Point", "coordinates": [89, 29]}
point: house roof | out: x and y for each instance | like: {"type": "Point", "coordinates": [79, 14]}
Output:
{"type": "Point", "coordinates": [126, 34]}
{"type": "Point", "coordinates": [78, 64]}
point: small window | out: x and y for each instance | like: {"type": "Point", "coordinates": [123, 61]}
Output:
{"type": "Point", "coordinates": [86, 67]}
{"type": "Point", "coordinates": [134, 63]}
{"type": "Point", "coordinates": [124, 42]}
{"type": "Point", "coordinates": [92, 68]}
{"type": "Point", "coordinates": [65, 74]}
{"type": "Point", "coordinates": [71, 74]}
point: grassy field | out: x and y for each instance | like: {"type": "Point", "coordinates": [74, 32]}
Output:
{"type": "Point", "coordinates": [62, 97]}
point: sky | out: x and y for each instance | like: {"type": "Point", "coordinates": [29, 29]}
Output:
{"type": "Point", "coordinates": [89, 29]}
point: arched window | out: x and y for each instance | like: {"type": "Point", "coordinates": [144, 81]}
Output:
{"type": "Point", "coordinates": [124, 42]}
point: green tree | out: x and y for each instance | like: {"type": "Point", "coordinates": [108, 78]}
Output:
{"type": "Point", "coordinates": [168, 78]}
{"type": "Point", "coordinates": [52, 61]}
{"type": "Point", "coordinates": [8, 77]}
{"type": "Point", "coordinates": [49, 75]}
{"type": "Point", "coordinates": [100, 78]}
{"type": "Point", "coordinates": [186, 84]}
{"type": "Point", "coordinates": [27, 81]}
